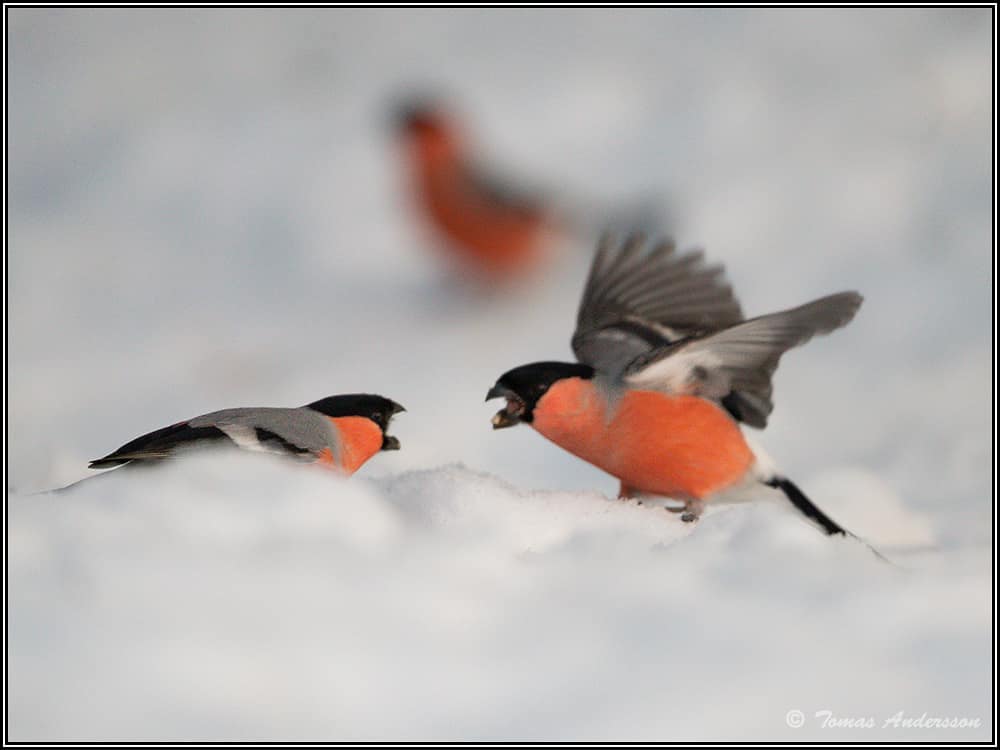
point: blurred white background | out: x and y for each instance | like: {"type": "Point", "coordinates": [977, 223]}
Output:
{"type": "Point", "coordinates": [206, 208]}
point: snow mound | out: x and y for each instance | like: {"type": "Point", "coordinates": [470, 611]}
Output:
{"type": "Point", "coordinates": [234, 597]}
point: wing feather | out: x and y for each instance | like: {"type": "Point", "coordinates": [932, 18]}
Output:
{"type": "Point", "coordinates": [639, 297]}
{"type": "Point", "coordinates": [160, 444]}
{"type": "Point", "coordinates": [734, 366]}
{"type": "Point", "coordinates": [299, 432]}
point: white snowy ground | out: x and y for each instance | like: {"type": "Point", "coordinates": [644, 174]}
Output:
{"type": "Point", "coordinates": [205, 210]}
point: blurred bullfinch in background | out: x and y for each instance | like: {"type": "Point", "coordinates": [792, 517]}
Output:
{"type": "Point", "coordinates": [667, 370]}
{"type": "Point", "coordinates": [492, 231]}
{"type": "Point", "coordinates": [339, 432]}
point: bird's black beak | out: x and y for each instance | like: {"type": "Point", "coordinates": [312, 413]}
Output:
{"type": "Point", "coordinates": [510, 415]}
{"type": "Point", "coordinates": [504, 418]}
{"type": "Point", "coordinates": [390, 443]}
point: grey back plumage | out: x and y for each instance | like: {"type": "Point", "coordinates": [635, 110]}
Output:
{"type": "Point", "coordinates": [301, 427]}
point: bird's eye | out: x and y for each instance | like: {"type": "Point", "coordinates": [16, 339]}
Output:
{"type": "Point", "coordinates": [376, 416]}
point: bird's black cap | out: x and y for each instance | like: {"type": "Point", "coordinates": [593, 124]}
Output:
{"type": "Point", "coordinates": [378, 409]}
{"type": "Point", "coordinates": [526, 384]}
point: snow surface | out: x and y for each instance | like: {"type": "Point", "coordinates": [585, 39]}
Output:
{"type": "Point", "coordinates": [206, 210]}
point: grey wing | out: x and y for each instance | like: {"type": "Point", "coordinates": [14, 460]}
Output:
{"type": "Point", "coordinates": [299, 432]}
{"type": "Point", "coordinates": [636, 300]}
{"type": "Point", "coordinates": [734, 366]}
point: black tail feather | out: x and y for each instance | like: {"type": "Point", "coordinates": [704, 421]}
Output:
{"type": "Point", "coordinates": [806, 506]}
{"type": "Point", "coordinates": [810, 511]}
{"type": "Point", "coordinates": [158, 444]}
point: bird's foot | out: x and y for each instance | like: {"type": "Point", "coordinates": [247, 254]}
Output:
{"type": "Point", "coordinates": [690, 512]}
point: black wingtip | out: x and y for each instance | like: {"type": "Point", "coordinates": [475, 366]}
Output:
{"type": "Point", "coordinates": [106, 463]}
{"type": "Point", "coordinates": [156, 445]}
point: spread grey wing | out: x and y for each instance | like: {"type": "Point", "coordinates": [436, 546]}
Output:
{"type": "Point", "coordinates": [637, 300]}
{"type": "Point", "coordinates": [734, 366]}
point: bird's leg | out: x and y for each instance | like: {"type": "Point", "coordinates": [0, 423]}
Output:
{"type": "Point", "coordinates": [628, 493]}
{"type": "Point", "coordinates": [691, 510]}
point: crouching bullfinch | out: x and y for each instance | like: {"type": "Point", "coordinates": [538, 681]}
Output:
{"type": "Point", "coordinates": [339, 432]}
{"type": "Point", "coordinates": [668, 369]}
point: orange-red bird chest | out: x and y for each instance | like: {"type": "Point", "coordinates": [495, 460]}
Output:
{"type": "Point", "coordinates": [359, 439]}
{"type": "Point", "coordinates": [678, 446]}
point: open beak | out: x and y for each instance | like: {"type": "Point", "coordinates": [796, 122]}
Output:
{"type": "Point", "coordinates": [497, 391]}
{"type": "Point", "coordinates": [510, 415]}
{"type": "Point", "coordinates": [390, 443]}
